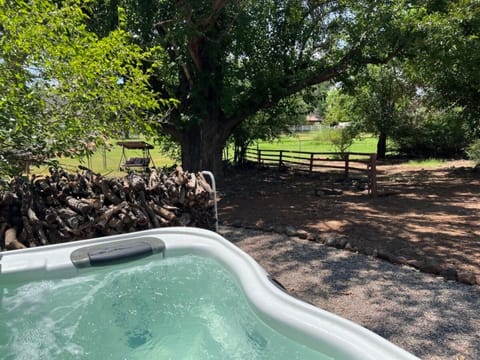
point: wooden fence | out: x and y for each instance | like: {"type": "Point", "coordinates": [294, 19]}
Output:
{"type": "Point", "coordinates": [316, 161]}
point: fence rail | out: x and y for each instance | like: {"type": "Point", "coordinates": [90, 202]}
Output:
{"type": "Point", "coordinates": [314, 161]}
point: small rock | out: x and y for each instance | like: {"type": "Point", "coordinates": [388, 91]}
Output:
{"type": "Point", "coordinates": [327, 192]}
{"type": "Point", "coordinates": [312, 237]}
{"type": "Point", "coordinates": [290, 230]}
{"type": "Point", "coordinates": [302, 234]}
{"type": "Point", "coordinates": [278, 229]}
{"type": "Point", "coordinates": [340, 244]}
{"type": "Point", "coordinates": [414, 263]}
{"type": "Point", "coordinates": [449, 273]}
{"type": "Point", "coordinates": [431, 267]}
{"type": "Point", "coordinates": [330, 241]}
{"type": "Point", "coordinates": [237, 223]}
{"type": "Point", "coordinates": [260, 224]}
{"type": "Point", "coordinates": [367, 251]}
{"type": "Point", "coordinates": [382, 254]}
{"type": "Point", "coordinates": [467, 277]}
{"type": "Point", "coordinates": [348, 246]}
{"type": "Point", "coordinates": [270, 228]}
{"type": "Point", "coordinates": [401, 260]}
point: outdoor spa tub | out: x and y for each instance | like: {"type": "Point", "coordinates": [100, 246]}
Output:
{"type": "Point", "coordinates": [172, 293]}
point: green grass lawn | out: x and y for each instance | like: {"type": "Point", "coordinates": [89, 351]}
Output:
{"type": "Point", "coordinates": [313, 141]}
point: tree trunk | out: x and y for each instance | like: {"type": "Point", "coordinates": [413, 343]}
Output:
{"type": "Point", "coordinates": [382, 145]}
{"type": "Point", "coordinates": [202, 148]}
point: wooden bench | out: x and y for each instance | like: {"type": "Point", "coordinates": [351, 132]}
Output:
{"type": "Point", "coordinates": [136, 162]}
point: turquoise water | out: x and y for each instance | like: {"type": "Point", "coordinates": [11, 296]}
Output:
{"type": "Point", "coordinates": [180, 308]}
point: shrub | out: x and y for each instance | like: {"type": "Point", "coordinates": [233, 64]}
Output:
{"type": "Point", "coordinates": [438, 135]}
{"type": "Point", "coordinates": [473, 152]}
{"type": "Point", "coordinates": [341, 139]}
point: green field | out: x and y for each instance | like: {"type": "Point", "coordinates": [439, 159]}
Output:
{"type": "Point", "coordinates": [314, 141]}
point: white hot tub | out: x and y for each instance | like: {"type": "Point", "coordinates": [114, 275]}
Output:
{"type": "Point", "coordinates": [116, 296]}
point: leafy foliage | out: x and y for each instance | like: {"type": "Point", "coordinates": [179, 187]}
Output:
{"type": "Point", "coordinates": [340, 138]}
{"type": "Point", "coordinates": [339, 107]}
{"type": "Point", "coordinates": [269, 124]}
{"type": "Point", "coordinates": [232, 59]}
{"type": "Point", "coordinates": [474, 151]}
{"type": "Point", "coordinates": [432, 132]}
{"type": "Point", "coordinates": [446, 59]}
{"type": "Point", "coordinates": [62, 88]}
{"type": "Point", "coordinates": [376, 100]}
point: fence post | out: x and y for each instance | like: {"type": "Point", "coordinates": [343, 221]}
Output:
{"type": "Point", "coordinates": [280, 158]}
{"type": "Point", "coordinates": [373, 175]}
{"type": "Point", "coordinates": [346, 156]}
{"type": "Point", "coordinates": [259, 157]}
{"type": "Point", "coordinates": [104, 153]}
{"type": "Point", "coordinates": [311, 163]}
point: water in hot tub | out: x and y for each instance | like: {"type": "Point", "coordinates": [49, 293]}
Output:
{"type": "Point", "coordinates": [186, 307]}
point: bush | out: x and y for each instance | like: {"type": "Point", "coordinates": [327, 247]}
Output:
{"type": "Point", "coordinates": [473, 152]}
{"type": "Point", "coordinates": [438, 135]}
{"type": "Point", "coordinates": [341, 139]}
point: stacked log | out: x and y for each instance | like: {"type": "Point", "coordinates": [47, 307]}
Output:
{"type": "Point", "coordinates": [65, 207]}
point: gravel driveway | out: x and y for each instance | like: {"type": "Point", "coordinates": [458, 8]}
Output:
{"type": "Point", "coordinates": [426, 315]}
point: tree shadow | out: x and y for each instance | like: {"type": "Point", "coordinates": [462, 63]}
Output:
{"type": "Point", "coordinates": [430, 221]}
{"type": "Point", "coordinates": [419, 312]}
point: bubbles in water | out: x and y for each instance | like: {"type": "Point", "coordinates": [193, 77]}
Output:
{"type": "Point", "coordinates": [179, 308]}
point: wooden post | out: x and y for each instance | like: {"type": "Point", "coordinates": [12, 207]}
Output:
{"type": "Point", "coordinates": [280, 158]}
{"type": "Point", "coordinates": [373, 175]}
{"type": "Point", "coordinates": [346, 157]}
{"type": "Point", "coordinates": [311, 163]}
{"type": "Point", "coordinates": [259, 157]}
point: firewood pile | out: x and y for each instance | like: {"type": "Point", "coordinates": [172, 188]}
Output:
{"type": "Point", "coordinates": [65, 207]}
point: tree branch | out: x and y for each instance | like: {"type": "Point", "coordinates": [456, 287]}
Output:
{"type": "Point", "coordinates": [210, 20]}
{"type": "Point", "coordinates": [354, 56]}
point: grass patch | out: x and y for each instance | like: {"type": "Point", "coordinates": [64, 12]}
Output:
{"type": "Point", "coordinates": [316, 141]}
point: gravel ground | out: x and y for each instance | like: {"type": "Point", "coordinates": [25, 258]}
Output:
{"type": "Point", "coordinates": [425, 315]}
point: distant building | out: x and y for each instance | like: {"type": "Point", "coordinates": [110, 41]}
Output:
{"type": "Point", "coordinates": [343, 125]}
{"type": "Point", "coordinates": [313, 119]}
{"type": "Point", "coordinates": [312, 122]}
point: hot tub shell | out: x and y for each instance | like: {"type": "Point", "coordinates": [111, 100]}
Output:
{"type": "Point", "coordinates": [300, 321]}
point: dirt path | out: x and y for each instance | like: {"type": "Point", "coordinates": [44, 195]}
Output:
{"type": "Point", "coordinates": [429, 218]}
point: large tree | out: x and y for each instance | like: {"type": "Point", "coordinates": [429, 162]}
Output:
{"type": "Point", "coordinates": [61, 85]}
{"type": "Point", "coordinates": [376, 100]}
{"type": "Point", "coordinates": [231, 59]}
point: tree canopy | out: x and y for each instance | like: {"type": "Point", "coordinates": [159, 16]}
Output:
{"type": "Point", "coordinates": [376, 100]}
{"type": "Point", "coordinates": [83, 67]}
{"type": "Point", "coordinates": [61, 85]}
{"type": "Point", "coordinates": [231, 59]}
{"type": "Point", "coordinates": [428, 98]}
{"type": "Point", "coordinates": [446, 60]}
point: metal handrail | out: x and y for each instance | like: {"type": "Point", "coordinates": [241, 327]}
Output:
{"type": "Point", "coordinates": [214, 188]}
